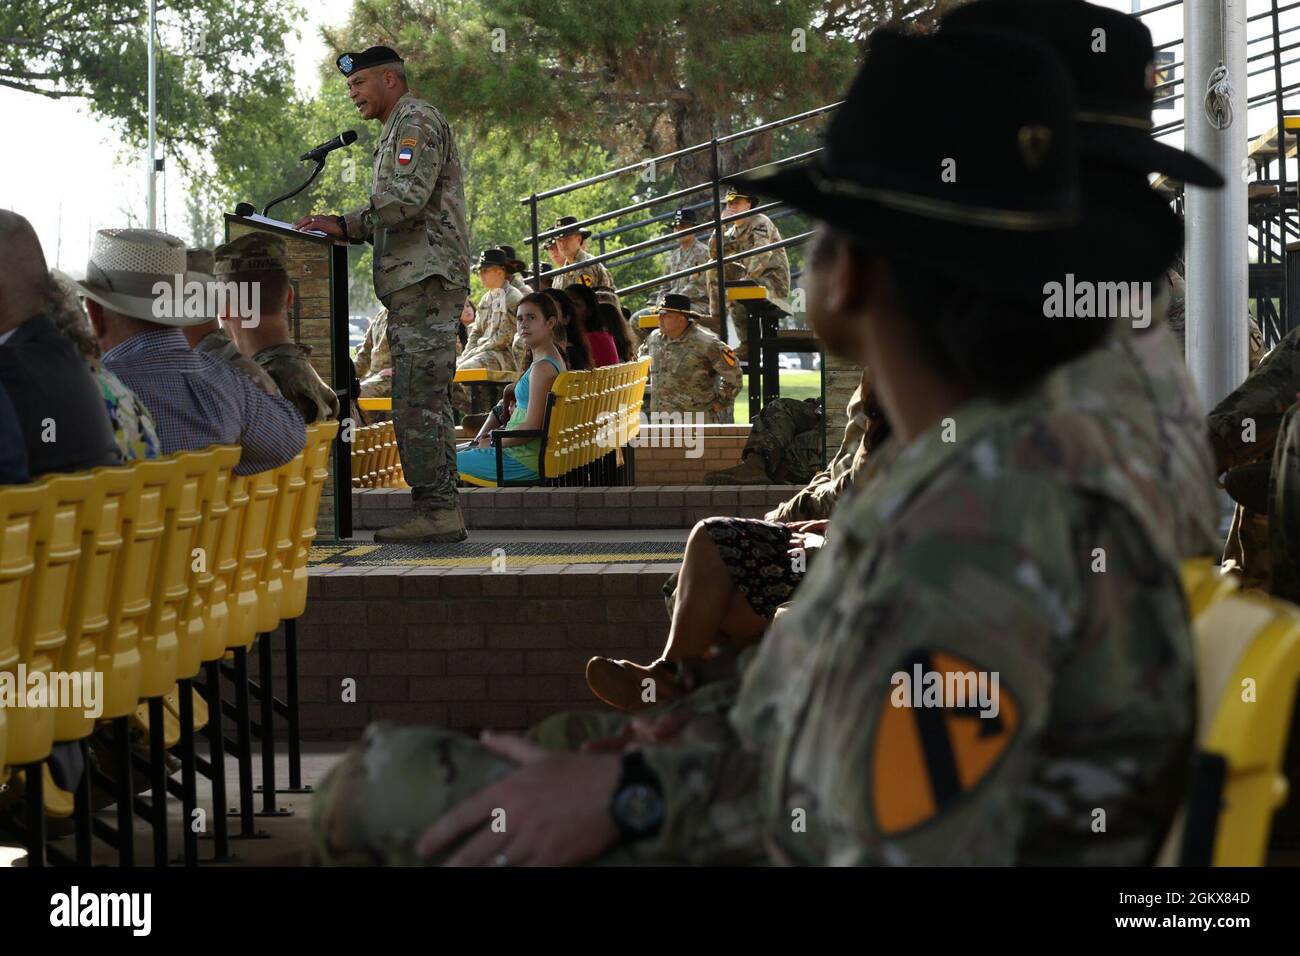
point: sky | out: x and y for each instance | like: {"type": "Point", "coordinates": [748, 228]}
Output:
{"type": "Point", "coordinates": [65, 175]}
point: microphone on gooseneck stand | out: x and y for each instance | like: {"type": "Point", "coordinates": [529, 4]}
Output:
{"type": "Point", "coordinates": [338, 142]}
{"type": "Point", "coordinates": [245, 209]}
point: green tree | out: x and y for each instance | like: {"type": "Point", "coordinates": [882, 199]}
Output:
{"type": "Point", "coordinates": [214, 57]}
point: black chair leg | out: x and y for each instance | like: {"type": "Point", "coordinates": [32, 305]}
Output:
{"type": "Point", "coordinates": [125, 791]}
{"type": "Point", "coordinates": [34, 808]}
{"type": "Point", "coordinates": [243, 720]}
{"type": "Point", "coordinates": [291, 702]}
{"type": "Point", "coordinates": [81, 815]}
{"type": "Point", "coordinates": [267, 701]}
{"type": "Point", "coordinates": [189, 775]}
{"type": "Point", "coordinates": [158, 781]}
{"type": "Point", "coordinates": [216, 761]}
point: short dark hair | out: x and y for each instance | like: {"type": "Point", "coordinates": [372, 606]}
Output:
{"type": "Point", "coordinates": [274, 283]}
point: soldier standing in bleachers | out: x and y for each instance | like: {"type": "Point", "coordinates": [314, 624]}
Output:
{"type": "Point", "coordinates": [692, 370]}
{"type": "Point", "coordinates": [770, 269]}
{"type": "Point", "coordinates": [569, 249]}
{"type": "Point", "coordinates": [687, 254]}
{"type": "Point", "coordinates": [416, 220]}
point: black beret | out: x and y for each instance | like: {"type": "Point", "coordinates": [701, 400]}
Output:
{"type": "Point", "coordinates": [349, 63]}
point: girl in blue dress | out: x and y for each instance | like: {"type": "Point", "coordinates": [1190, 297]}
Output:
{"type": "Point", "coordinates": [538, 321]}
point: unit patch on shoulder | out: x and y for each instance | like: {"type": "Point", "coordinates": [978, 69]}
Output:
{"type": "Point", "coordinates": [728, 355]}
{"type": "Point", "coordinates": [942, 728]}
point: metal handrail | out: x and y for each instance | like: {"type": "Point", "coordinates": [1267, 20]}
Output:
{"type": "Point", "coordinates": [714, 263]}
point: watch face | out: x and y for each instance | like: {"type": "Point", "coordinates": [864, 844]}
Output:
{"type": "Point", "coordinates": [639, 807]}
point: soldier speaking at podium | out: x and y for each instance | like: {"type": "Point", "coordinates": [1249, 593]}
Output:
{"type": "Point", "coordinates": [416, 221]}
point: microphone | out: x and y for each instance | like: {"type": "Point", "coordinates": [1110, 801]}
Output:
{"type": "Point", "coordinates": [338, 142]}
{"type": "Point", "coordinates": [245, 209]}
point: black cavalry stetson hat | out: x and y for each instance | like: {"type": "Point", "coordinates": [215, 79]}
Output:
{"type": "Point", "coordinates": [492, 257]}
{"type": "Point", "coordinates": [512, 259]}
{"type": "Point", "coordinates": [675, 302]}
{"type": "Point", "coordinates": [349, 63]}
{"type": "Point", "coordinates": [1112, 61]}
{"type": "Point", "coordinates": [971, 196]}
{"type": "Point", "coordinates": [569, 221]}
{"type": "Point", "coordinates": [685, 216]}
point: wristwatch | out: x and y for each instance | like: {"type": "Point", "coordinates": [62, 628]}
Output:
{"type": "Point", "coordinates": [637, 807]}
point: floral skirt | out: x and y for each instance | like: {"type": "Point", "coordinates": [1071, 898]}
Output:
{"type": "Point", "coordinates": [757, 555]}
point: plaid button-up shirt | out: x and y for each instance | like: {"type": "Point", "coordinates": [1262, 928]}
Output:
{"type": "Point", "coordinates": [197, 401]}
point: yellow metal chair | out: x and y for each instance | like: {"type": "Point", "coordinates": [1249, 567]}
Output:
{"type": "Point", "coordinates": [1247, 670]}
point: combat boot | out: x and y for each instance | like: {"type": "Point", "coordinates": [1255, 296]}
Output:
{"type": "Point", "coordinates": [443, 525]}
{"type": "Point", "coordinates": [751, 471]}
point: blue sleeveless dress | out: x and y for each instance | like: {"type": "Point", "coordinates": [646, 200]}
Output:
{"type": "Point", "coordinates": [478, 466]}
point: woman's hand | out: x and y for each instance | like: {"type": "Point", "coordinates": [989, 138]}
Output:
{"type": "Point", "coordinates": [552, 811]}
{"type": "Point", "coordinates": [800, 541]}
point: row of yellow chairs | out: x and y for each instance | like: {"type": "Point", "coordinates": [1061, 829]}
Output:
{"type": "Point", "coordinates": [143, 574]}
{"type": "Point", "coordinates": [1246, 648]}
{"type": "Point", "coordinates": [592, 416]}
{"type": "Point", "coordinates": [375, 462]}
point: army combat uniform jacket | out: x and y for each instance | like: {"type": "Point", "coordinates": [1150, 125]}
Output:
{"type": "Point", "coordinates": [770, 269]}
{"type": "Point", "coordinates": [220, 346]}
{"type": "Point", "coordinates": [374, 356]}
{"type": "Point", "coordinates": [593, 277]}
{"type": "Point", "coordinates": [691, 373]}
{"type": "Point", "coordinates": [1037, 546]}
{"type": "Point", "coordinates": [416, 215]}
{"type": "Point", "coordinates": [489, 343]}
{"type": "Point", "coordinates": [695, 287]}
{"type": "Point", "coordinates": [289, 365]}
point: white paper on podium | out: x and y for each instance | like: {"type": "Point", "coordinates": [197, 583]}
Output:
{"type": "Point", "coordinates": [257, 217]}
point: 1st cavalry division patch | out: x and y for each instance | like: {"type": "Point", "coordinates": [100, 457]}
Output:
{"type": "Point", "coordinates": [938, 735]}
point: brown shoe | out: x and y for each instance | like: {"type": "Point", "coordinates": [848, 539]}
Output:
{"type": "Point", "coordinates": [444, 525]}
{"type": "Point", "coordinates": [622, 684]}
{"type": "Point", "coordinates": [751, 471]}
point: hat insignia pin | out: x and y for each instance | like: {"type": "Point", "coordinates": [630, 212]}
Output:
{"type": "Point", "coordinates": [1034, 140]}
{"type": "Point", "coordinates": [346, 63]}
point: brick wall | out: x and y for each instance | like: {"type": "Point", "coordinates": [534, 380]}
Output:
{"type": "Point", "coordinates": [663, 459]}
{"type": "Point", "coordinates": [462, 648]}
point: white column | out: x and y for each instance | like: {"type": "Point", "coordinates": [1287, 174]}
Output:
{"type": "Point", "coordinates": [1216, 250]}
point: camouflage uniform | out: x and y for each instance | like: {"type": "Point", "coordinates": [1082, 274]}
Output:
{"type": "Point", "coordinates": [691, 373]}
{"type": "Point", "coordinates": [374, 357]}
{"type": "Point", "coordinates": [288, 364]}
{"type": "Point", "coordinates": [517, 282]}
{"type": "Point", "coordinates": [696, 286]}
{"type": "Point", "coordinates": [818, 498]}
{"type": "Point", "coordinates": [490, 337]}
{"type": "Point", "coordinates": [416, 221]}
{"type": "Point", "coordinates": [1284, 509]}
{"type": "Point", "coordinates": [771, 270]}
{"type": "Point", "coordinates": [593, 277]}
{"type": "Point", "coordinates": [787, 435]}
{"type": "Point", "coordinates": [1261, 401]}
{"type": "Point", "coordinates": [219, 345]}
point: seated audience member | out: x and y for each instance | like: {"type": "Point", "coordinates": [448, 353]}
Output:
{"type": "Point", "coordinates": [967, 555]}
{"type": "Point", "coordinates": [577, 353]}
{"type": "Point", "coordinates": [196, 400]}
{"type": "Point", "coordinates": [604, 350]}
{"type": "Point", "coordinates": [488, 344]}
{"type": "Point", "coordinates": [692, 371]}
{"type": "Point", "coordinates": [619, 325]}
{"type": "Point", "coordinates": [374, 361]}
{"type": "Point", "coordinates": [59, 405]}
{"type": "Point", "coordinates": [13, 450]}
{"type": "Point", "coordinates": [467, 316]}
{"type": "Point", "coordinates": [133, 427]}
{"type": "Point", "coordinates": [688, 253]}
{"type": "Point", "coordinates": [569, 249]}
{"type": "Point", "coordinates": [538, 320]}
{"type": "Point", "coordinates": [210, 338]}
{"type": "Point", "coordinates": [262, 260]}
{"type": "Point", "coordinates": [515, 269]}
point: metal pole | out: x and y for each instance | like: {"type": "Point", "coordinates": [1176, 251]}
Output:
{"type": "Point", "coordinates": [153, 117]}
{"type": "Point", "coordinates": [1281, 167]}
{"type": "Point", "coordinates": [1217, 338]}
{"type": "Point", "coordinates": [537, 252]}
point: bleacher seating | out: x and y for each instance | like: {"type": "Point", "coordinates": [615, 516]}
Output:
{"type": "Point", "coordinates": [146, 573]}
{"type": "Point", "coordinates": [592, 417]}
{"type": "Point", "coordinates": [374, 458]}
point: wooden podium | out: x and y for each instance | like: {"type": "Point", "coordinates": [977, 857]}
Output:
{"type": "Point", "coordinates": [318, 271]}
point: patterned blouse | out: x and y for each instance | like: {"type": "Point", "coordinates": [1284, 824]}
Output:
{"type": "Point", "coordinates": [133, 426]}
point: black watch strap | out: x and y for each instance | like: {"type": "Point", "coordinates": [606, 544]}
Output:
{"type": "Point", "coordinates": [637, 807]}
{"type": "Point", "coordinates": [343, 224]}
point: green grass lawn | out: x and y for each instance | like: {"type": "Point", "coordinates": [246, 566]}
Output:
{"type": "Point", "coordinates": [795, 383]}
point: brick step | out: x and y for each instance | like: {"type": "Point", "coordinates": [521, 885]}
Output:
{"type": "Point", "coordinates": [465, 648]}
{"type": "Point", "coordinates": [640, 506]}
